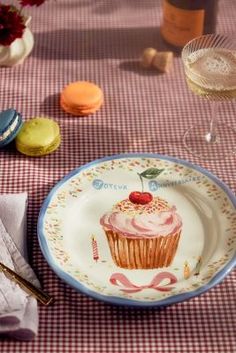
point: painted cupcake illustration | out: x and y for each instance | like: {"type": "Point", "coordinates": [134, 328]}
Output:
{"type": "Point", "coordinates": [143, 231]}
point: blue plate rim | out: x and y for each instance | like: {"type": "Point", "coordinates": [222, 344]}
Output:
{"type": "Point", "coordinates": [219, 277]}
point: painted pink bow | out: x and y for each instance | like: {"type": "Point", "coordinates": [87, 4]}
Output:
{"type": "Point", "coordinates": [119, 279]}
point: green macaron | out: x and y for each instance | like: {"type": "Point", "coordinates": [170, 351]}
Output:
{"type": "Point", "coordinates": [39, 136]}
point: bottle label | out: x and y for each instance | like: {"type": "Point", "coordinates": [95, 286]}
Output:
{"type": "Point", "coordinates": [179, 25]}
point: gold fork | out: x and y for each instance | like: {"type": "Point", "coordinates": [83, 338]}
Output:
{"type": "Point", "coordinates": [28, 287]}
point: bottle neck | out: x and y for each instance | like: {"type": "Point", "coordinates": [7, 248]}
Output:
{"type": "Point", "coordinates": [184, 20]}
{"type": "Point", "coordinates": [193, 4]}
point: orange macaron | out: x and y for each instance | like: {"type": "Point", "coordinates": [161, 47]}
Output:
{"type": "Point", "coordinates": [81, 98]}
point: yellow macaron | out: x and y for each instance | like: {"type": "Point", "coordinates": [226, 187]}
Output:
{"type": "Point", "coordinates": [39, 136]}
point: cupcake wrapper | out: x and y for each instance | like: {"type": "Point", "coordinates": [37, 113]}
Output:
{"type": "Point", "coordinates": [134, 253]}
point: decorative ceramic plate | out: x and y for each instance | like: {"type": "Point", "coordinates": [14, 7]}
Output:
{"type": "Point", "coordinates": [139, 230]}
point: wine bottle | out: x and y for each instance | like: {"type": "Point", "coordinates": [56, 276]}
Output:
{"type": "Point", "coordinates": [184, 20]}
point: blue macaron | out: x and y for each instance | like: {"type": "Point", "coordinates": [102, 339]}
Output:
{"type": "Point", "coordinates": [10, 124]}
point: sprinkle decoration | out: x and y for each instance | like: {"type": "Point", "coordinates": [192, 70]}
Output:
{"type": "Point", "coordinates": [95, 248]}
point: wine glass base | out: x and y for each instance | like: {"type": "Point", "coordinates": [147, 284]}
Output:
{"type": "Point", "coordinates": [200, 143]}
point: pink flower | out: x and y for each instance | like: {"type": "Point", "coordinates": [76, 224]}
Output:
{"type": "Point", "coordinates": [11, 24]}
{"type": "Point", "coordinates": [31, 2]}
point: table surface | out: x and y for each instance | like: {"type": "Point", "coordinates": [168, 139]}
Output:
{"type": "Point", "coordinates": [101, 41]}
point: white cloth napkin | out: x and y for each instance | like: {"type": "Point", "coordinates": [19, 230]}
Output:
{"type": "Point", "coordinates": [18, 310]}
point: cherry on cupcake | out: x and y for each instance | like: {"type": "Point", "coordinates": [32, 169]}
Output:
{"type": "Point", "coordinates": [140, 198]}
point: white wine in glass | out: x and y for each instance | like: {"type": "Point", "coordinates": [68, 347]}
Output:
{"type": "Point", "coordinates": [210, 69]}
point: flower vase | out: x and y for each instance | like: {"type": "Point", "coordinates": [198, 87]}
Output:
{"type": "Point", "coordinates": [19, 49]}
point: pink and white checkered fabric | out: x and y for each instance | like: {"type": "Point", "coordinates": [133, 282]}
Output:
{"type": "Point", "coordinates": [102, 41]}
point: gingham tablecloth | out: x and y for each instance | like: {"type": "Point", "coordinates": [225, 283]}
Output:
{"type": "Point", "coordinates": [101, 41]}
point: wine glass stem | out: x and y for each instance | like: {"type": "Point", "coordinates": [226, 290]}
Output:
{"type": "Point", "coordinates": [211, 136]}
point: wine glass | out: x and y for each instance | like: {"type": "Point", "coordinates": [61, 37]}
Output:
{"type": "Point", "coordinates": [210, 71]}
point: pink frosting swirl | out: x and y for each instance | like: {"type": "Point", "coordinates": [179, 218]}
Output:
{"type": "Point", "coordinates": [163, 223]}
